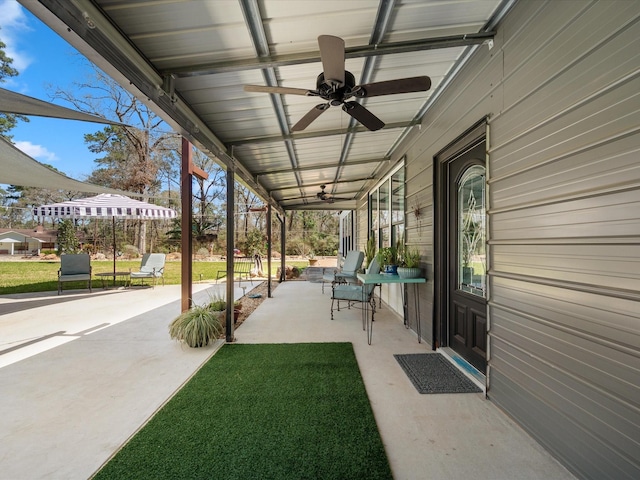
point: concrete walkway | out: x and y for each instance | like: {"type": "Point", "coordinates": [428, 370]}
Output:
{"type": "Point", "coordinates": [96, 367]}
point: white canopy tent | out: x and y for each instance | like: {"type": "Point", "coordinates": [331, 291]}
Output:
{"type": "Point", "coordinates": [106, 206]}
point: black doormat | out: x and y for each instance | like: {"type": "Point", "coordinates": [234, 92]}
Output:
{"type": "Point", "coordinates": [432, 373]}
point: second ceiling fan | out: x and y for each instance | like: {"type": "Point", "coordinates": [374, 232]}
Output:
{"type": "Point", "coordinates": [326, 197]}
{"type": "Point", "coordinates": [337, 85]}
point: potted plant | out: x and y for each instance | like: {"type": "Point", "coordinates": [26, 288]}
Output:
{"type": "Point", "coordinates": [217, 304]}
{"type": "Point", "coordinates": [312, 259]}
{"type": "Point", "coordinates": [410, 266]}
{"type": "Point", "coordinates": [388, 258]}
{"type": "Point", "coordinates": [197, 327]}
{"type": "Point", "coordinates": [237, 307]}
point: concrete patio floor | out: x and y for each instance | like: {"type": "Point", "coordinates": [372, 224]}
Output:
{"type": "Point", "coordinates": [81, 373]}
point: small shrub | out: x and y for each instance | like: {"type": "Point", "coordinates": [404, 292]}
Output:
{"type": "Point", "coordinates": [197, 327]}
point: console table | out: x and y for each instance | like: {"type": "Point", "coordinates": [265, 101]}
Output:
{"type": "Point", "coordinates": [379, 279]}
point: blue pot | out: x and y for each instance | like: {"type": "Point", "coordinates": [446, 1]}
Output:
{"type": "Point", "coordinates": [391, 269]}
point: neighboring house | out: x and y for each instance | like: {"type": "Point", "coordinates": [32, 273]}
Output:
{"type": "Point", "coordinates": [26, 241]}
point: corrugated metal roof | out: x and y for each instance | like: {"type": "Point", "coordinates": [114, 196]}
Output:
{"type": "Point", "coordinates": [207, 50]}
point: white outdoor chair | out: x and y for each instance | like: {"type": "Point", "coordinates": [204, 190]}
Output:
{"type": "Point", "coordinates": [152, 266]}
{"type": "Point", "coordinates": [74, 268]}
{"type": "Point", "coordinates": [352, 264]}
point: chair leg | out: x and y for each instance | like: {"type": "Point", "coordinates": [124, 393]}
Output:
{"type": "Point", "coordinates": [332, 300]}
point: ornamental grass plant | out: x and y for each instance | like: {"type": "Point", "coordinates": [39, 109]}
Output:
{"type": "Point", "coordinates": [197, 327]}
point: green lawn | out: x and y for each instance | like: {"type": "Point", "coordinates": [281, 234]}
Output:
{"type": "Point", "coordinates": [41, 276]}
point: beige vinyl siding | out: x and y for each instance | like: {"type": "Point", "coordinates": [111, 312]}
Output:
{"type": "Point", "coordinates": [565, 232]}
{"type": "Point", "coordinates": [561, 91]}
{"type": "Point", "coordinates": [419, 234]}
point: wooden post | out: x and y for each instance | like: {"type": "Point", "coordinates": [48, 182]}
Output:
{"type": "Point", "coordinates": [187, 171]}
{"type": "Point", "coordinates": [186, 190]}
{"type": "Point", "coordinates": [230, 247]}
{"type": "Point", "coordinates": [269, 251]}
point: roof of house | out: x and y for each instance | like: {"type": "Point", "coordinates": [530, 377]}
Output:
{"type": "Point", "coordinates": [37, 233]}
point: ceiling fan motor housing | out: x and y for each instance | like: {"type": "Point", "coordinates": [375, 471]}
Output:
{"type": "Point", "coordinates": [336, 96]}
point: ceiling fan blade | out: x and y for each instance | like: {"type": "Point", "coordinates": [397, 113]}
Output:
{"type": "Point", "coordinates": [314, 113]}
{"type": "Point", "coordinates": [363, 115]}
{"type": "Point", "coordinates": [391, 87]}
{"type": "Point", "coordinates": [280, 90]}
{"type": "Point", "coordinates": [332, 54]}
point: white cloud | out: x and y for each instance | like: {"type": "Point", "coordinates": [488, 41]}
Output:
{"type": "Point", "coordinates": [13, 23]}
{"type": "Point", "coordinates": [36, 151]}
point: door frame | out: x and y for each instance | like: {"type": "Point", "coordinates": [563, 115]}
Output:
{"type": "Point", "coordinates": [469, 139]}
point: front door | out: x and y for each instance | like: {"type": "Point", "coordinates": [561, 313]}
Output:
{"type": "Point", "coordinates": [466, 255]}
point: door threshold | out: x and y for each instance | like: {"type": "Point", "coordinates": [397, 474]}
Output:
{"type": "Point", "coordinates": [471, 372]}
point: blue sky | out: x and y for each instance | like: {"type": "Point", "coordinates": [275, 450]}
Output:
{"type": "Point", "coordinates": [45, 62]}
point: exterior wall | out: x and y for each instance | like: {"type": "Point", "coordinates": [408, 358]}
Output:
{"type": "Point", "coordinates": [565, 225]}
{"type": "Point", "coordinates": [561, 90]}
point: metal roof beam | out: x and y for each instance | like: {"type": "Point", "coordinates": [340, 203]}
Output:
{"type": "Point", "coordinates": [320, 167]}
{"type": "Point", "coordinates": [314, 57]}
{"type": "Point", "coordinates": [318, 134]}
{"type": "Point", "coordinates": [310, 185]}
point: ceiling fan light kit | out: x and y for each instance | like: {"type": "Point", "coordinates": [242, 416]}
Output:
{"type": "Point", "coordinates": [336, 86]}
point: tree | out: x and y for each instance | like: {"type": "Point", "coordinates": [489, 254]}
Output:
{"type": "Point", "coordinates": [67, 239]}
{"type": "Point", "coordinates": [7, 120]}
{"type": "Point", "coordinates": [133, 154]}
{"type": "Point", "coordinates": [209, 196]}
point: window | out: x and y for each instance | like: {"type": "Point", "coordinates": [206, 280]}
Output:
{"type": "Point", "coordinates": [472, 255]}
{"type": "Point", "coordinates": [386, 209]}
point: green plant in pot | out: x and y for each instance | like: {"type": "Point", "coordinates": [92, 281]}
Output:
{"type": "Point", "coordinates": [410, 266]}
{"type": "Point", "coordinates": [388, 258]}
{"type": "Point", "coordinates": [197, 327]}
{"type": "Point", "coordinates": [218, 304]}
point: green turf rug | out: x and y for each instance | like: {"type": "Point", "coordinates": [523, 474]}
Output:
{"type": "Point", "coordinates": [285, 411]}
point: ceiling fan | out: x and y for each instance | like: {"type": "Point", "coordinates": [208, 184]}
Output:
{"type": "Point", "coordinates": [337, 85]}
{"type": "Point", "coordinates": [325, 197]}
